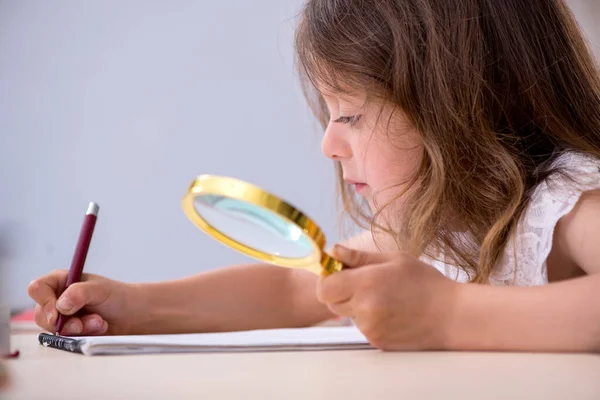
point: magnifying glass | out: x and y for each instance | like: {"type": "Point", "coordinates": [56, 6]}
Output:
{"type": "Point", "coordinates": [257, 223]}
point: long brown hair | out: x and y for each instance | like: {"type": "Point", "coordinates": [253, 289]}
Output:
{"type": "Point", "coordinates": [496, 89]}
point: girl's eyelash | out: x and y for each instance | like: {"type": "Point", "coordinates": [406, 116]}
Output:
{"type": "Point", "coordinates": [352, 120]}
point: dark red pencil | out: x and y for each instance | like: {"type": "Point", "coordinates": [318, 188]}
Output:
{"type": "Point", "coordinates": [81, 250]}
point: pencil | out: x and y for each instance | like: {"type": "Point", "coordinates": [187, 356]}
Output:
{"type": "Point", "coordinates": [81, 250]}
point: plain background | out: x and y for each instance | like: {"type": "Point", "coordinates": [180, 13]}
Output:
{"type": "Point", "coordinates": [124, 103]}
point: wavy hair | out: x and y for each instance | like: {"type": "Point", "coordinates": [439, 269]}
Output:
{"type": "Point", "coordinates": [496, 89]}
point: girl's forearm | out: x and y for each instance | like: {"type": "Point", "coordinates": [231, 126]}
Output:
{"type": "Point", "coordinates": [562, 317]}
{"type": "Point", "coordinates": [228, 299]}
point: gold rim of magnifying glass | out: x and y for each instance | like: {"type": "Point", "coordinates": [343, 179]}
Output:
{"type": "Point", "coordinates": [318, 262]}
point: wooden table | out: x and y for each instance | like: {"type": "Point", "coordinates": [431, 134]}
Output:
{"type": "Point", "coordinates": [45, 373]}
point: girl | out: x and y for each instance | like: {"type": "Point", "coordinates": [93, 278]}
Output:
{"type": "Point", "coordinates": [466, 134]}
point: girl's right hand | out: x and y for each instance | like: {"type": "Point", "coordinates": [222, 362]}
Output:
{"type": "Point", "coordinates": [94, 306]}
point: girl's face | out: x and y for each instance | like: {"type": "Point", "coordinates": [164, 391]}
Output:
{"type": "Point", "coordinates": [378, 149]}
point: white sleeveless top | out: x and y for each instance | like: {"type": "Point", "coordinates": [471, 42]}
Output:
{"type": "Point", "coordinates": [552, 200]}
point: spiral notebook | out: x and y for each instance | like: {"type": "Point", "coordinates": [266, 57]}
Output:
{"type": "Point", "coordinates": [291, 339]}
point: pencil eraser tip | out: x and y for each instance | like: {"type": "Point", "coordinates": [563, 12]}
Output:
{"type": "Point", "coordinates": [92, 209]}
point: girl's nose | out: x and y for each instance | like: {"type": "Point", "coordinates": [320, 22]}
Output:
{"type": "Point", "coordinates": [334, 144]}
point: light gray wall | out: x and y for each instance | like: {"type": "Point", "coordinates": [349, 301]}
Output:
{"type": "Point", "coordinates": [124, 103]}
{"type": "Point", "coordinates": [588, 15]}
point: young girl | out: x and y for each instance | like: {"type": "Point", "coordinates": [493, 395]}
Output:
{"type": "Point", "coordinates": [470, 129]}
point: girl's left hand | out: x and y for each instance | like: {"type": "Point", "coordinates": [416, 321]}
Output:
{"type": "Point", "coordinates": [395, 300]}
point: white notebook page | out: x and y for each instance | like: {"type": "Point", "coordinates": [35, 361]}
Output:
{"type": "Point", "coordinates": [314, 338]}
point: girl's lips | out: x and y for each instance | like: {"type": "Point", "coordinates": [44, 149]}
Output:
{"type": "Point", "coordinates": [360, 187]}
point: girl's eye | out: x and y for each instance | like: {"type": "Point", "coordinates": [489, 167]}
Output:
{"type": "Point", "coordinates": [351, 120]}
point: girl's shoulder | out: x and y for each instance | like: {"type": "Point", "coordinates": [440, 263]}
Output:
{"type": "Point", "coordinates": [524, 261]}
{"type": "Point", "coordinates": [557, 195]}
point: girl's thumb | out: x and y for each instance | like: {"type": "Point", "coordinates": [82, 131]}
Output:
{"type": "Point", "coordinates": [353, 258]}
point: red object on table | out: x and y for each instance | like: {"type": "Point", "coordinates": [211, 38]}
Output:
{"type": "Point", "coordinates": [24, 316]}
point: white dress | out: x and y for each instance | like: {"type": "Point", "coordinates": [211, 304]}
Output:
{"type": "Point", "coordinates": [552, 199]}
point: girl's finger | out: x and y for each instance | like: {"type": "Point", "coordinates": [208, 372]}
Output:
{"type": "Point", "coordinates": [42, 319]}
{"type": "Point", "coordinates": [93, 324]}
{"type": "Point", "coordinates": [73, 327]}
{"type": "Point", "coordinates": [342, 309]}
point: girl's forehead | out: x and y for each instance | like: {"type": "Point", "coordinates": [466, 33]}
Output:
{"type": "Point", "coordinates": [356, 98]}
{"type": "Point", "coordinates": [335, 87]}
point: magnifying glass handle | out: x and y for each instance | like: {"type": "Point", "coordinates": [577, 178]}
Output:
{"type": "Point", "coordinates": [330, 265]}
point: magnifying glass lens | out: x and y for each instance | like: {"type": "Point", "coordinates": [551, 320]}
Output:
{"type": "Point", "coordinates": [253, 226]}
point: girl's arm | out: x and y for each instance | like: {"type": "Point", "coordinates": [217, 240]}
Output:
{"type": "Point", "coordinates": [562, 316]}
{"type": "Point", "coordinates": [258, 296]}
